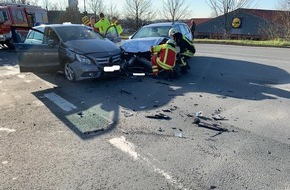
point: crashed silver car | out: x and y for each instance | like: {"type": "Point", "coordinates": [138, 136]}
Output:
{"type": "Point", "coordinates": [74, 49]}
{"type": "Point", "coordinates": [151, 35]}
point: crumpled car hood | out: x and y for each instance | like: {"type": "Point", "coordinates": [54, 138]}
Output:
{"type": "Point", "coordinates": [91, 46]}
{"type": "Point", "coordinates": [140, 44]}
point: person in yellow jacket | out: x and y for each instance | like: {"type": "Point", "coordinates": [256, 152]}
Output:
{"type": "Point", "coordinates": [114, 22]}
{"type": "Point", "coordinates": [103, 24]}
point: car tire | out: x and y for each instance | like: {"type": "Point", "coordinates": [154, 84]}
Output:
{"type": "Point", "coordinates": [69, 72]}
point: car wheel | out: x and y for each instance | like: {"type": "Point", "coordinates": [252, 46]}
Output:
{"type": "Point", "coordinates": [69, 72]}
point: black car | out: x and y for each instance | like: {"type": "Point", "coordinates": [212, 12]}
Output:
{"type": "Point", "coordinates": [75, 49]}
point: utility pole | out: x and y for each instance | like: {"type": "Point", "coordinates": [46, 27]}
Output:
{"type": "Point", "coordinates": [85, 6]}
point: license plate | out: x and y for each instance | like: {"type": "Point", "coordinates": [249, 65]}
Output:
{"type": "Point", "coordinates": [112, 68]}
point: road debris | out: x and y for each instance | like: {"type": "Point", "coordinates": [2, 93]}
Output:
{"type": "Point", "coordinates": [125, 92]}
{"type": "Point", "coordinates": [198, 114]}
{"type": "Point", "coordinates": [143, 107]}
{"type": "Point", "coordinates": [196, 121]}
{"type": "Point", "coordinates": [81, 114]}
{"type": "Point", "coordinates": [178, 133]}
{"type": "Point", "coordinates": [212, 187]}
{"type": "Point", "coordinates": [214, 127]}
{"type": "Point", "coordinates": [159, 82]}
{"type": "Point", "coordinates": [127, 113]}
{"type": "Point", "coordinates": [219, 118]}
{"type": "Point", "coordinates": [167, 110]}
{"type": "Point", "coordinates": [161, 130]}
{"type": "Point", "coordinates": [158, 116]}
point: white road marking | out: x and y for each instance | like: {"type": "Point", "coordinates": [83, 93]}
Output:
{"type": "Point", "coordinates": [60, 102]}
{"type": "Point", "coordinates": [5, 162]}
{"type": "Point", "coordinates": [129, 148]}
{"type": "Point", "coordinates": [7, 130]}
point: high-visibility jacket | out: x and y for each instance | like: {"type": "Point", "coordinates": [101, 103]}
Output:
{"type": "Point", "coordinates": [166, 55]}
{"type": "Point", "coordinates": [118, 26]}
{"type": "Point", "coordinates": [102, 25]}
{"type": "Point", "coordinates": [186, 46]}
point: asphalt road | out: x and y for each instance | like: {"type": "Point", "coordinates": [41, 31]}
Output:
{"type": "Point", "coordinates": [96, 134]}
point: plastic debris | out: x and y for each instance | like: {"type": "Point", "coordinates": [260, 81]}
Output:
{"type": "Point", "coordinates": [158, 116]}
{"type": "Point", "coordinates": [196, 121]}
{"type": "Point", "coordinates": [161, 130]}
{"type": "Point", "coordinates": [125, 92]}
{"type": "Point", "coordinates": [218, 117]}
{"type": "Point", "coordinates": [198, 114]}
{"type": "Point", "coordinates": [143, 107]}
{"type": "Point", "coordinates": [178, 133]}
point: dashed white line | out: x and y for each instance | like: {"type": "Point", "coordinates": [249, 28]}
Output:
{"type": "Point", "coordinates": [129, 148]}
{"type": "Point", "coordinates": [7, 130]}
{"type": "Point", "coordinates": [60, 102]}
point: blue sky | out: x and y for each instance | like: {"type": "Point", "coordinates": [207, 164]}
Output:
{"type": "Point", "coordinates": [200, 8]}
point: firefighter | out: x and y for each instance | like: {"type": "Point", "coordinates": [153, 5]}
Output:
{"type": "Point", "coordinates": [164, 57]}
{"type": "Point", "coordinates": [114, 22]}
{"type": "Point", "coordinates": [187, 49]}
{"type": "Point", "coordinates": [103, 24]}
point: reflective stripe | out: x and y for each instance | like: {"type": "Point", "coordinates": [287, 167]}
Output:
{"type": "Point", "coordinates": [183, 63]}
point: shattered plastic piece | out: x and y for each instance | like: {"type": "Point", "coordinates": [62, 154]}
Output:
{"type": "Point", "coordinates": [143, 107]}
{"type": "Point", "coordinates": [128, 114]}
{"type": "Point", "coordinates": [198, 114]}
{"type": "Point", "coordinates": [125, 92]}
{"type": "Point", "coordinates": [219, 117]}
{"type": "Point", "coordinates": [196, 121]}
{"type": "Point", "coordinates": [212, 187]}
{"type": "Point", "coordinates": [178, 133]}
{"type": "Point", "coordinates": [158, 116]}
{"type": "Point", "coordinates": [168, 111]}
{"type": "Point", "coordinates": [161, 130]}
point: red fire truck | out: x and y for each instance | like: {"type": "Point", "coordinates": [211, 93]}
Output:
{"type": "Point", "coordinates": [18, 15]}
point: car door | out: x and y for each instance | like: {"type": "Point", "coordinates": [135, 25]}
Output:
{"type": "Point", "coordinates": [112, 34]}
{"type": "Point", "coordinates": [39, 51]}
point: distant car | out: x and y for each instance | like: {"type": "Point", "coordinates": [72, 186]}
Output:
{"type": "Point", "coordinates": [151, 35]}
{"type": "Point", "coordinates": [74, 49]}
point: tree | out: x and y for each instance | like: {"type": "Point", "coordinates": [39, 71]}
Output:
{"type": "Point", "coordinates": [112, 11]}
{"type": "Point", "coordinates": [285, 17]}
{"type": "Point", "coordinates": [220, 7]}
{"type": "Point", "coordinates": [139, 10]}
{"type": "Point", "coordinates": [95, 6]}
{"type": "Point", "coordinates": [175, 9]}
{"type": "Point", "coordinates": [224, 7]}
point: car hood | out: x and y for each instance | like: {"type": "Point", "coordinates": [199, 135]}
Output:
{"type": "Point", "coordinates": [91, 46]}
{"type": "Point", "coordinates": [140, 44]}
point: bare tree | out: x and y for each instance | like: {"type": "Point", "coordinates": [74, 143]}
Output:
{"type": "Point", "coordinates": [284, 17]}
{"type": "Point", "coordinates": [139, 10]}
{"type": "Point", "coordinates": [95, 6]}
{"type": "Point", "coordinates": [220, 7]}
{"type": "Point", "coordinates": [175, 9]}
{"type": "Point", "coordinates": [112, 11]}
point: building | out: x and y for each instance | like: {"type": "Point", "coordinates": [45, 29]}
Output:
{"type": "Point", "coordinates": [73, 4]}
{"type": "Point", "coordinates": [244, 23]}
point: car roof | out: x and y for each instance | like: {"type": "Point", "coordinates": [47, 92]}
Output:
{"type": "Point", "coordinates": [56, 25]}
{"type": "Point", "coordinates": [163, 24]}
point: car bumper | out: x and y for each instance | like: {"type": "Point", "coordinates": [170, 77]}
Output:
{"type": "Point", "coordinates": [90, 71]}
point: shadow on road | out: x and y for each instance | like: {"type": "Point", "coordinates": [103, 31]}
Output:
{"type": "Point", "coordinates": [224, 78]}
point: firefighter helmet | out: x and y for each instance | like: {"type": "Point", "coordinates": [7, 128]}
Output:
{"type": "Point", "coordinates": [172, 31]}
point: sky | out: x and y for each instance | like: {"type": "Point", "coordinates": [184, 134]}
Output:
{"type": "Point", "coordinates": [200, 8]}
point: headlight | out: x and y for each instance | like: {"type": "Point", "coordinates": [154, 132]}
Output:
{"type": "Point", "coordinates": [83, 59]}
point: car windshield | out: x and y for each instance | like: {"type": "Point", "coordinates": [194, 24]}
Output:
{"type": "Point", "coordinates": [68, 33]}
{"type": "Point", "coordinates": [156, 31]}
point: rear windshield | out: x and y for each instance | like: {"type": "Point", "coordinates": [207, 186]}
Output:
{"type": "Point", "coordinates": [69, 33]}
